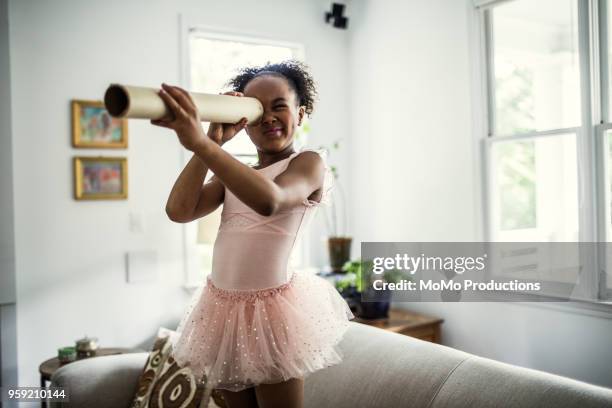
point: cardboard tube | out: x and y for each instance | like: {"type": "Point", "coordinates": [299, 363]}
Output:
{"type": "Point", "coordinates": [124, 101]}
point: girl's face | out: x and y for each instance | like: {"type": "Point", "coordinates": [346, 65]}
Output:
{"type": "Point", "coordinates": [281, 115]}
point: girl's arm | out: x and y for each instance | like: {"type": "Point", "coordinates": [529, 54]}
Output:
{"type": "Point", "coordinates": [302, 177]}
{"type": "Point", "coordinates": [189, 199]}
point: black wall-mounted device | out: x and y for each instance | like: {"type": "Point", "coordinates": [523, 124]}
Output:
{"type": "Point", "coordinates": [336, 16]}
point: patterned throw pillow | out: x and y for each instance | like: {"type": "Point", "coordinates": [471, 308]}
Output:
{"type": "Point", "coordinates": [164, 384]}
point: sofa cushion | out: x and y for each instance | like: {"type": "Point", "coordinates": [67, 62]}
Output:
{"type": "Point", "coordinates": [130, 380]}
{"type": "Point", "coordinates": [163, 383]}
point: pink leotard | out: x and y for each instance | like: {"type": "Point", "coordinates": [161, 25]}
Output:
{"type": "Point", "coordinates": [251, 250]}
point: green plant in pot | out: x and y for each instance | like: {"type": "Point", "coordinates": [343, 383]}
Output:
{"type": "Point", "coordinates": [338, 243]}
{"type": "Point", "coordinates": [357, 283]}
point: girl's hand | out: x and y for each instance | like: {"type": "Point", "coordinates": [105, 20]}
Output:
{"type": "Point", "coordinates": [223, 132]}
{"type": "Point", "coordinates": [183, 119]}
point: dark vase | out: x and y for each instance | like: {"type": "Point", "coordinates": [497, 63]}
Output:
{"type": "Point", "coordinates": [378, 309]}
{"type": "Point", "coordinates": [339, 252]}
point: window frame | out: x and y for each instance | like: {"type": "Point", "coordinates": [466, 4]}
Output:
{"type": "Point", "coordinates": [603, 122]}
{"type": "Point", "coordinates": [594, 93]}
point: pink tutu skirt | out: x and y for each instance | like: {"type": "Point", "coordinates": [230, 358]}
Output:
{"type": "Point", "coordinates": [242, 338]}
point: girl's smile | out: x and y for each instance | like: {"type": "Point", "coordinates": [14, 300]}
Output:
{"type": "Point", "coordinates": [273, 132]}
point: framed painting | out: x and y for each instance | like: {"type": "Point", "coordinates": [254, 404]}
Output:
{"type": "Point", "coordinates": [93, 126]}
{"type": "Point", "coordinates": [100, 178]}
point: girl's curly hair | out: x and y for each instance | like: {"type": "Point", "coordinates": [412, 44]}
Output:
{"type": "Point", "coordinates": [295, 72]}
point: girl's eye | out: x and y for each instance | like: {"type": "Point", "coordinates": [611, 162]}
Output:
{"type": "Point", "coordinates": [279, 106]}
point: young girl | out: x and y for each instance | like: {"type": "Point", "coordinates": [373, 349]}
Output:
{"type": "Point", "coordinates": [257, 327]}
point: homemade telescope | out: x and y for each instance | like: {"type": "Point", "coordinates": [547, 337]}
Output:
{"type": "Point", "coordinates": [124, 101]}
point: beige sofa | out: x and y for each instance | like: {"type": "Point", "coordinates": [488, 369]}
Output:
{"type": "Point", "coordinates": [380, 369]}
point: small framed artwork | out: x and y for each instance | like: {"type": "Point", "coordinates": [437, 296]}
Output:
{"type": "Point", "coordinates": [100, 178]}
{"type": "Point", "coordinates": [93, 126]}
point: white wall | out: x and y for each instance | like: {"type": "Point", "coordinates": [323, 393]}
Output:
{"type": "Point", "coordinates": [410, 139]}
{"type": "Point", "coordinates": [70, 254]}
{"type": "Point", "coordinates": [7, 232]}
{"type": "Point", "coordinates": [8, 336]}
{"type": "Point", "coordinates": [412, 161]}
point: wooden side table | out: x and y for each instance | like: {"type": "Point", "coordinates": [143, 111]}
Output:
{"type": "Point", "coordinates": [408, 323]}
{"type": "Point", "coordinates": [48, 367]}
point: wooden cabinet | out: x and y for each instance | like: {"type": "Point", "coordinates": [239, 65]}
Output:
{"type": "Point", "coordinates": [408, 323]}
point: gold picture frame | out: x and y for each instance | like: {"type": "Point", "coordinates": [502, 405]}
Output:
{"type": "Point", "coordinates": [100, 178]}
{"type": "Point", "coordinates": [94, 127]}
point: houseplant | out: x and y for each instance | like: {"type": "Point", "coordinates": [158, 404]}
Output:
{"type": "Point", "coordinates": [356, 283]}
{"type": "Point", "coordinates": [338, 243]}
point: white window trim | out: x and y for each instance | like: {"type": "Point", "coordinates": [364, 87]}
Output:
{"type": "Point", "coordinates": [187, 25]}
{"type": "Point", "coordinates": [592, 33]}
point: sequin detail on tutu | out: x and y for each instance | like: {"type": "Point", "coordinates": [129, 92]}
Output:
{"type": "Point", "coordinates": [242, 338]}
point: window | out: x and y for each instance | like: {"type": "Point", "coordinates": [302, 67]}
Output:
{"type": "Point", "coordinates": [213, 58]}
{"type": "Point", "coordinates": [548, 139]}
